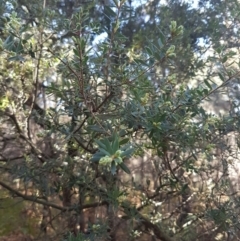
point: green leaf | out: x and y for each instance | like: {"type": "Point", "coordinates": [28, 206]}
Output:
{"type": "Point", "coordinates": [194, 156]}
{"type": "Point", "coordinates": [127, 153]}
{"type": "Point", "coordinates": [225, 58]}
{"type": "Point", "coordinates": [205, 91]}
{"type": "Point", "coordinates": [82, 43]}
{"type": "Point", "coordinates": [115, 26]}
{"type": "Point", "coordinates": [113, 168]}
{"type": "Point", "coordinates": [9, 42]}
{"type": "Point", "coordinates": [88, 50]}
{"type": "Point", "coordinates": [16, 58]}
{"type": "Point", "coordinates": [115, 144]}
{"type": "Point", "coordinates": [141, 62]}
{"type": "Point", "coordinates": [19, 47]}
{"type": "Point", "coordinates": [76, 52]}
{"type": "Point", "coordinates": [221, 77]}
{"type": "Point", "coordinates": [23, 28]}
{"type": "Point", "coordinates": [96, 128]}
{"type": "Point", "coordinates": [122, 133]}
{"type": "Point", "coordinates": [122, 2]}
{"type": "Point", "coordinates": [28, 36]}
{"type": "Point", "coordinates": [100, 144]}
{"type": "Point", "coordinates": [106, 116]}
{"type": "Point", "coordinates": [118, 160]}
{"type": "Point", "coordinates": [218, 50]}
{"type": "Point", "coordinates": [199, 93]}
{"type": "Point", "coordinates": [208, 84]}
{"type": "Point", "coordinates": [104, 151]}
{"type": "Point", "coordinates": [97, 157]}
{"type": "Point", "coordinates": [124, 168]}
{"type": "Point", "coordinates": [109, 12]}
{"type": "Point", "coordinates": [32, 54]}
{"type": "Point", "coordinates": [149, 51]}
{"type": "Point", "coordinates": [159, 55]}
{"type": "Point", "coordinates": [107, 144]}
{"type": "Point", "coordinates": [160, 43]}
{"type": "Point", "coordinates": [124, 141]}
{"type": "Point", "coordinates": [116, 3]}
{"type": "Point", "coordinates": [162, 36]}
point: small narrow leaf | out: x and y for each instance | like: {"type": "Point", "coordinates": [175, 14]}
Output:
{"type": "Point", "coordinates": [160, 43]}
{"type": "Point", "coordinates": [124, 168]}
{"type": "Point", "coordinates": [116, 3]}
{"type": "Point", "coordinates": [127, 153]}
{"type": "Point", "coordinates": [96, 128]}
{"type": "Point", "coordinates": [149, 51]}
{"type": "Point", "coordinates": [124, 141]}
{"type": "Point", "coordinates": [8, 42]}
{"type": "Point", "coordinates": [104, 151]}
{"type": "Point", "coordinates": [109, 12]}
{"type": "Point", "coordinates": [221, 77]}
{"type": "Point", "coordinates": [115, 145]}
{"type": "Point", "coordinates": [101, 144]}
{"type": "Point", "coordinates": [218, 50]}
{"type": "Point", "coordinates": [113, 168]}
{"type": "Point", "coordinates": [225, 58]}
{"type": "Point", "coordinates": [107, 143]}
{"type": "Point", "coordinates": [17, 58]}
{"type": "Point", "coordinates": [97, 157]}
{"type": "Point", "coordinates": [208, 84]}
{"type": "Point", "coordinates": [162, 37]}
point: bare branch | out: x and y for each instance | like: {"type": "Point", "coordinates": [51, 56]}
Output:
{"type": "Point", "coordinates": [50, 204]}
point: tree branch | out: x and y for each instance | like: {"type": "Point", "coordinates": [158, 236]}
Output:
{"type": "Point", "coordinates": [50, 204]}
{"type": "Point", "coordinates": [12, 158]}
{"type": "Point", "coordinates": [158, 231]}
{"type": "Point", "coordinates": [39, 154]}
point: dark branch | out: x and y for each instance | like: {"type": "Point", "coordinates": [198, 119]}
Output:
{"type": "Point", "coordinates": [49, 204]}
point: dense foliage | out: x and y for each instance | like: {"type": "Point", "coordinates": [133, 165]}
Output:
{"type": "Point", "coordinates": [119, 120]}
